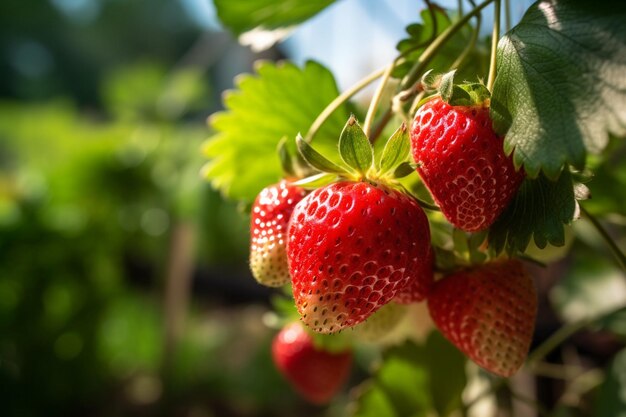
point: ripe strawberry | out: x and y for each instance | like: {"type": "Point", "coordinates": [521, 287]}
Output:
{"type": "Point", "coordinates": [488, 313]}
{"type": "Point", "coordinates": [462, 162]}
{"type": "Point", "coordinates": [417, 289]}
{"type": "Point", "coordinates": [352, 246]}
{"type": "Point", "coordinates": [316, 374]}
{"type": "Point", "coordinates": [268, 231]}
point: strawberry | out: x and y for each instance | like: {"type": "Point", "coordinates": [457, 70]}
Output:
{"type": "Point", "coordinates": [316, 374]}
{"type": "Point", "coordinates": [417, 289]}
{"type": "Point", "coordinates": [462, 162]}
{"type": "Point", "coordinates": [351, 247]}
{"type": "Point", "coordinates": [488, 313]}
{"type": "Point", "coordinates": [268, 227]}
{"type": "Point", "coordinates": [380, 324]}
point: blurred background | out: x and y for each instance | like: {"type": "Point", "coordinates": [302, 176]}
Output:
{"type": "Point", "coordinates": [124, 285]}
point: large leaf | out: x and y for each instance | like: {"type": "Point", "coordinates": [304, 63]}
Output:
{"type": "Point", "coordinates": [244, 15]}
{"type": "Point", "coordinates": [540, 209]}
{"type": "Point", "coordinates": [447, 377]}
{"type": "Point", "coordinates": [416, 380]}
{"type": "Point", "coordinates": [280, 101]}
{"type": "Point", "coordinates": [560, 85]}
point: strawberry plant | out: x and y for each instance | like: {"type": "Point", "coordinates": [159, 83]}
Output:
{"type": "Point", "coordinates": [451, 185]}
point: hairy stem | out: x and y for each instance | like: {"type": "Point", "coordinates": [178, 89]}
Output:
{"type": "Point", "coordinates": [407, 83]}
{"type": "Point", "coordinates": [563, 334]}
{"type": "Point", "coordinates": [494, 45]}
{"type": "Point", "coordinates": [619, 255]}
{"type": "Point", "coordinates": [341, 99]}
{"type": "Point", "coordinates": [507, 15]}
{"type": "Point", "coordinates": [457, 63]}
{"type": "Point", "coordinates": [380, 124]}
{"type": "Point", "coordinates": [371, 111]}
{"type": "Point", "coordinates": [413, 76]}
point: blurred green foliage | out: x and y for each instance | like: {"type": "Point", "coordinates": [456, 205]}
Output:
{"type": "Point", "coordinates": [101, 127]}
{"type": "Point", "coordinates": [100, 136]}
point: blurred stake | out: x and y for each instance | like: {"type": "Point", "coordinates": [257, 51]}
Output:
{"type": "Point", "coordinates": [177, 289]}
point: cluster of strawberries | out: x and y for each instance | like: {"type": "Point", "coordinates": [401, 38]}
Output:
{"type": "Point", "coordinates": [356, 244]}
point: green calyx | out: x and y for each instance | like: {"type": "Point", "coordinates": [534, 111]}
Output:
{"type": "Point", "coordinates": [465, 94]}
{"type": "Point", "coordinates": [357, 159]}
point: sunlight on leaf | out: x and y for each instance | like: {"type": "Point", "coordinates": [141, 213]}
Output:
{"type": "Point", "coordinates": [280, 101]}
{"type": "Point", "coordinates": [560, 86]}
{"type": "Point", "coordinates": [243, 15]}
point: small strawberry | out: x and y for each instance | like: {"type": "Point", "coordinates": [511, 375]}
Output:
{"type": "Point", "coordinates": [380, 324]}
{"type": "Point", "coordinates": [351, 247]}
{"type": "Point", "coordinates": [316, 374]}
{"type": "Point", "coordinates": [462, 162]}
{"type": "Point", "coordinates": [488, 313]}
{"type": "Point", "coordinates": [417, 289]}
{"type": "Point", "coordinates": [268, 231]}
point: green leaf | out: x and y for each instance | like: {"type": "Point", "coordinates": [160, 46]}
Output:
{"type": "Point", "coordinates": [404, 379]}
{"type": "Point", "coordinates": [373, 402]}
{"type": "Point", "coordinates": [611, 398]}
{"type": "Point", "coordinates": [243, 15]}
{"type": "Point", "coordinates": [286, 161]}
{"type": "Point", "coordinates": [396, 150]}
{"type": "Point", "coordinates": [316, 159]}
{"type": "Point", "coordinates": [609, 174]}
{"type": "Point", "coordinates": [354, 147]}
{"type": "Point", "coordinates": [316, 181]}
{"type": "Point", "coordinates": [446, 87]}
{"type": "Point", "coordinates": [412, 380]}
{"type": "Point", "coordinates": [447, 374]}
{"type": "Point", "coordinates": [540, 209]}
{"type": "Point", "coordinates": [400, 386]}
{"type": "Point", "coordinates": [403, 170]}
{"type": "Point", "coordinates": [560, 85]}
{"type": "Point", "coordinates": [281, 100]}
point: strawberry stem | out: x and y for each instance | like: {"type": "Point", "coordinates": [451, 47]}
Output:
{"type": "Point", "coordinates": [457, 63]}
{"type": "Point", "coordinates": [407, 85]}
{"type": "Point", "coordinates": [494, 45]}
{"type": "Point", "coordinates": [619, 255]}
{"type": "Point", "coordinates": [564, 333]}
{"type": "Point", "coordinates": [507, 15]}
{"type": "Point", "coordinates": [371, 111]}
{"type": "Point", "coordinates": [380, 125]}
{"type": "Point", "coordinates": [414, 74]}
{"type": "Point", "coordinates": [340, 99]}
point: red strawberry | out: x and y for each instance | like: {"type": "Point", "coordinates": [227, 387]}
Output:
{"type": "Point", "coordinates": [417, 289]}
{"type": "Point", "coordinates": [316, 374]}
{"type": "Point", "coordinates": [462, 162]}
{"type": "Point", "coordinates": [488, 313]}
{"type": "Point", "coordinates": [352, 246]}
{"type": "Point", "coordinates": [268, 231]}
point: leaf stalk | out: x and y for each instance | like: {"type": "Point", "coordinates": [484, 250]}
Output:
{"type": "Point", "coordinates": [494, 45]}
{"type": "Point", "coordinates": [619, 255]}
